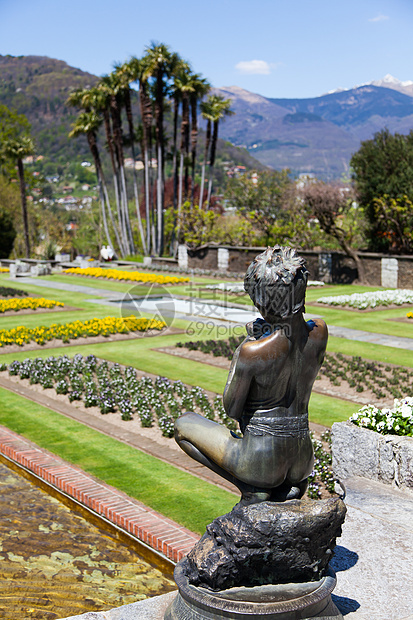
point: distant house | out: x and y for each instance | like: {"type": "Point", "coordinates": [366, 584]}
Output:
{"type": "Point", "coordinates": [67, 188]}
{"type": "Point", "coordinates": [85, 187]}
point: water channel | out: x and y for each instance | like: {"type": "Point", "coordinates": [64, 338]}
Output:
{"type": "Point", "coordinates": [55, 564]}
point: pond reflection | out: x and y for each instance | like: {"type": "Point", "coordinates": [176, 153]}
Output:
{"type": "Point", "coordinates": [54, 564]}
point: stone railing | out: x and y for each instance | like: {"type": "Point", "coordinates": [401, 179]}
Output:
{"type": "Point", "coordinates": [329, 267]}
{"type": "Point", "coordinates": [361, 452]}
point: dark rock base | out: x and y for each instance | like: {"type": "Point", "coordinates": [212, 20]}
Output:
{"type": "Point", "coordinates": [267, 543]}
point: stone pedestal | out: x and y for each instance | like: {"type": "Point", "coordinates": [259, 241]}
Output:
{"type": "Point", "coordinates": [283, 602]}
{"type": "Point", "coordinates": [267, 560]}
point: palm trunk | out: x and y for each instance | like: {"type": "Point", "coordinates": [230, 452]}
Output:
{"type": "Point", "coordinates": [184, 145]}
{"type": "Point", "coordinates": [111, 149]}
{"type": "Point", "coordinates": [212, 161]}
{"type": "Point", "coordinates": [117, 136]}
{"type": "Point", "coordinates": [20, 170]}
{"type": "Point", "coordinates": [146, 114]}
{"type": "Point", "coordinates": [194, 141]}
{"type": "Point", "coordinates": [91, 138]}
{"type": "Point", "coordinates": [207, 143]}
{"type": "Point", "coordinates": [128, 108]}
{"type": "Point", "coordinates": [160, 157]}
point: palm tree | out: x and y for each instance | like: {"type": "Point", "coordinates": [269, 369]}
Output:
{"type": "Point", "coordinates": [159, 63]}
{"type": "Point", "coordinates": [184, 85]}
{"type": "Point", "coordinates": [207, 112]}
{"type": "Point", "coordinates": [128, 73]}
{"type": "Point", "coordinates": [183, 67]}
{"type": "Point", "coordinates": [17, 149]}
{"type": "Point", "coordinates": [96, 99]}
{"type": "Point", "coordinates": [200, 89]}
{"type": "Point", "coordinates": [88, 123]}
{"type": "Point", "coordinates": [112, 87]}
{"type": "Point", "coordinates": [220, 108]}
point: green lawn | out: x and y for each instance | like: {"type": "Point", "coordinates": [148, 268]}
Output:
{"type": "Point", "coordinates": [178, 495]}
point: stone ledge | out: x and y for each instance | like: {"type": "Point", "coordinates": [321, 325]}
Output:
{"type": "Point", "coordinates": [361, 452]}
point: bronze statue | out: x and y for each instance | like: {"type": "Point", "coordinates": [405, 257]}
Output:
{"type": "Point", "coordinates": [267, 391]}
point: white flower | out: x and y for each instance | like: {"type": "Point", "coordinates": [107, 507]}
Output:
{"type": "Point", "coordinates": [406, 411]}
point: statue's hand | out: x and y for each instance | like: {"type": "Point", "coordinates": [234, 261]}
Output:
{"type": "Point", "coordinates": [250, 328]}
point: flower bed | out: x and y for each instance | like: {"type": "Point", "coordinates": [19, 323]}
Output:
{"type": "Point", "coordinates": [131, 276]}
{"type": "Point", "coordinates": [396, 421]}
{"type": "Point", "coordinates": [361, 301]}
{"type": "Point", "coordinates": [409, 315]}
{"type": "Point", "coordinates": [31, 303]}
{"type": "Point", "coordinates": [116, 389]}
{"type": "Point", "coordinates": [7, 291]}
{"type": "Point", "coordinates": [4, 269]}
{"type": "Point", "coordinates": [383, 380]}
{"type": "Point", "coordinates": [70, 331]}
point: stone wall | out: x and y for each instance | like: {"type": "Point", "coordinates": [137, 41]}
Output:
{"type": "Point", "coordinates": [330, 267]}
{"type": "Point", "coordinates": [365, 453]}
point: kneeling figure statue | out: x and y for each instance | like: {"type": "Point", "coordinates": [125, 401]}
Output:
{"type": "Point", "coordinates": [268, 389]}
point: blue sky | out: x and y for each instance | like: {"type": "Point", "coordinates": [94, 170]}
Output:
{"type": "Point", "coordinates": [277, 48]}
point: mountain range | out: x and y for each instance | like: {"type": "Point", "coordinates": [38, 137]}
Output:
{"type": "Point", "coordinates": [316, 135]}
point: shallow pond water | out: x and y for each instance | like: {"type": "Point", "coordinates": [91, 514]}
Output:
{"type": "Point", "coordinates": [54, 563]}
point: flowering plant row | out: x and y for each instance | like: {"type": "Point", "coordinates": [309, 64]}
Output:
{"type": "Point", "coordinates": [409, 315]}
{"type": "Point", "coordinates": [113, 388]}
{"type": "Point", "coordinates": [31, 303]}
{"type": "Point", "coordinates": [383, 380]}
{"type": "Point", "coordinates": [4, 269]}
{"type": "Point", "coordinates": [70, 331]}
{"type": "Point", "coordinates": [117, 274]}
{"type": "Point", "coordinates": [361, 301]}
{"type": "Point", "coordinates": [396, 421]}
{"type": "Point", "coordinates": [116, 389]}
{"type": "Point", "coordinates": [8, 291]}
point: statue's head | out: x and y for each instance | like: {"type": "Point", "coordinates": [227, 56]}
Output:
{"type": "Point", "coordinates": [276, 281]}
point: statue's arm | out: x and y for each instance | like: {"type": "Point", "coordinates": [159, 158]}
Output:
{"type": "Point", "coordinates": [238, 385]}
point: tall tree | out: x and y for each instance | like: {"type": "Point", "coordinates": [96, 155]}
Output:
{"type": "Point", "coordinates": [128, 73]}
{"type": "Point", "coordinates": [260, 197]}
{"type": "Point", "coordinates": [159, 64]}
{"type": "Point", "coordinates": [220, 108]}
{"type": "Point", "coordinates": [88, 123]}
{"type": "Point", "coordinates": [16, 150]}
{"type": "Point", "coordinates": [329, 203]}
{"type": "Point", "coordinates": [200, 87]}
{"type": "Point", "coordinates": [112, 86]}
{"type": "Point", "coordinates": [383, 170]}
{"type": "Point", "coordinates": [96, 100]}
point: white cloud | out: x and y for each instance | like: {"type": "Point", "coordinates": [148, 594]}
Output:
{"type": "Point", "coordinates": [379, 18]}
{"type": "Point", "coordinates": [253, 67]}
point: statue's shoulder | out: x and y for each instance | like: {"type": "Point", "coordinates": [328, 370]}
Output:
{"type": "Point", "coordinates": [317, 329]}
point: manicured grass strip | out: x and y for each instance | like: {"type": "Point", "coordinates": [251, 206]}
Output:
{"type": "Point", "coordinates": [326, 410]}
{"type": "Point", "coordinates": [370, 351]}
{"type": "Point", "coordinates": [180, 496]}
{"type": "Point", "coordinates": [374, 321]}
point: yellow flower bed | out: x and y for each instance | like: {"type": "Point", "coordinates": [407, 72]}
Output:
{"type": "Point", "coordinates": [70, 331]}
{"type": "Point", "coordinates": [409, 315]}
{"type": "Point", "coordinates": [132, 276]}
{"type": "Point", "coordinates": [4, 269]}
{"type": "Point", "coordinates": [16, 303]}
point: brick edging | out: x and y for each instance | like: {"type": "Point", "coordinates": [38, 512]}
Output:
{"type": "Point", "coordinates": [161, 534]}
